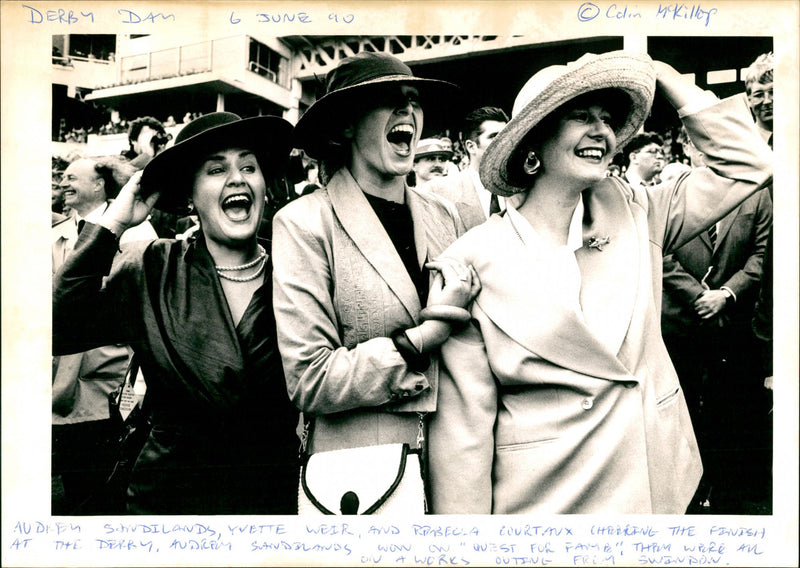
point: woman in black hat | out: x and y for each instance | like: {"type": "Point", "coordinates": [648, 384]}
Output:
{"type": "Point", "coordinates": [560, 396]}
{"type": "Point", "coordinates": [198, 316]}
{"type": "Point", "coordinates": [351, 278]}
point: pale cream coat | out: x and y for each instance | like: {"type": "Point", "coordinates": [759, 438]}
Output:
{"type": "Point", "coordinates": [546, 407]}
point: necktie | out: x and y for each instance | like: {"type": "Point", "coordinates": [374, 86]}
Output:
{"type": "Point", "coordinates": [712, 235]}
{"type": "Point", "coordinates": [81, 224]}
{"type": "Point", "coordinates": [494, 205]}
{"type": "Point", "coordinates": [770, 141]}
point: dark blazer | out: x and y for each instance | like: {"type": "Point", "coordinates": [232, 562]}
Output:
{"type": "Point", "coordinates": [223, 438]}
{"type": "Point", "coordinates": [737, 264]}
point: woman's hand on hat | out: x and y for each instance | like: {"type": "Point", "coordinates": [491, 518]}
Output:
{"type": "Point", "coordinates": [128, 209]}
{"type": "Point", "coordinates": [678, 89]}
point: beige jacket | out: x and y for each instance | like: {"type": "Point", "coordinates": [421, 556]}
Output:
{"type": "Point", "coordinates": [340, 289]}
{"type": "Point", "coordinates": [550, 407]}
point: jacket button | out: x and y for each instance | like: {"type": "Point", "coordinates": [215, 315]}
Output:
{"type": "Point", "coordinates": [587, 403]}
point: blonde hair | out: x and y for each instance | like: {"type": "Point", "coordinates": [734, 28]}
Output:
{"type": "Point", "coordinates": [760, 71]}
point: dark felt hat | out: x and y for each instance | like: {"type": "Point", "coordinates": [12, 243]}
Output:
{"type": "Point", "coordinates": [353, 78]}
{"type": "Point", "coordinates": [171, 172]}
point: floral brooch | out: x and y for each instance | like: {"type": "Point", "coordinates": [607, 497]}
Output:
{"type": "Point", "coordinates": [598, 243]}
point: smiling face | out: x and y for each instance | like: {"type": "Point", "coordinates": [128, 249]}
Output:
{"type": "Point", "coordinates": [760, 100]}
{"type": "Point", "coordinates": [83, 189]}
{"type": "Point", "coordinates": [229, 196]}
{"type": "Point", "coordinates": [582, 145]}
{"type": "Point", "coordinates": [382, 140]}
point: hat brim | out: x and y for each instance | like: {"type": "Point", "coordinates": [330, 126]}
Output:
{"type": "Point", "coordinates": [315, 128]}
{"type": "Point", "coordinates": [632, 73]}
{"type": "Point", "coordinates": [447, 155]}
{"type": "Point", "coordinates": [172, 171]}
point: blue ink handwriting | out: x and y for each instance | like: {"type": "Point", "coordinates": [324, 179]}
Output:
{"type": "Point", "coordinates": [61, 16]}
{"type": "Point", "coordinates": [682, 11]}
{"type": "Point", "coordinates": [134, 18]}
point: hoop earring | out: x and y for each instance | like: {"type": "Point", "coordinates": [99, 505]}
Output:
{"type": "Point", "coordinates": [532, 164]}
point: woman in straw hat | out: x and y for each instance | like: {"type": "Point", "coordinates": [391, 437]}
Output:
{"type": "Point", "coordinates": [198, 315]}
{"type": "Point", "coordinates": [560, 397]}
{"type": "Point", "coordinates": [350, 282]}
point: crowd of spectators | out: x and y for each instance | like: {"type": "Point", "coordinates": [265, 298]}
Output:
{"type": "Point", "coordinates": [710, 302]}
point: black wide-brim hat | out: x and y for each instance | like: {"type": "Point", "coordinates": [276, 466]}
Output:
{"type": "Point", "coordinates": [351, 81]}
{"type": "Point", "coordinates": [172, 171]}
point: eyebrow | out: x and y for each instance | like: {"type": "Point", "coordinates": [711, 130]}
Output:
{"type": "Point", "coordinates": [220, 157]}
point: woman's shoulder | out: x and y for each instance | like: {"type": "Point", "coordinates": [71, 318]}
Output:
{"type": "Point", "coordinates": [303, 206]}
{"type": "Point", "coordinates": [480, 241]}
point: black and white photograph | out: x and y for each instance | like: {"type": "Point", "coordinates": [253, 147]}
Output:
{"type": "Point", "coordinates": [501, 297]}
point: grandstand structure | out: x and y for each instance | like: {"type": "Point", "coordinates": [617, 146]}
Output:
{"type": "Point", "coordinates": [102, 79]}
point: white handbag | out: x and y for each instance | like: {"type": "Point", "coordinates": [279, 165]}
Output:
{"type": "Point", "coordinates": [385, 479]}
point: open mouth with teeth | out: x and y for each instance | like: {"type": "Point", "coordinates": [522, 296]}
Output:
{"type": "Point", "coordinates": [400, 138]}
{"type": "Point", "coordinates": [591, 153]}
{"type": "Point", "coordinates": [237, 207]}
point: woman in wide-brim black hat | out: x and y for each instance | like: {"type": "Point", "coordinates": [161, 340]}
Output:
{"type": "Point", "coordinates": [198, 316]}
{"type": "Point", "coordinates": [351, 281]}
{"type": "Point", "coordinates": [560, 396]}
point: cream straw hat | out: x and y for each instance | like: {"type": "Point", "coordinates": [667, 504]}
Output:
{"type": "Point", "coordinates": [632, 73]}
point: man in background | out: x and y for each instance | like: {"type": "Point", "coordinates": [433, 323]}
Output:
{"type": "Point", "coordinates": [430, 159]}
{"type": "Point", "coordinates": [83, 433]}
{"type": "Point", "coordinates": [474, 202]}
{"type": "Point", "coordinates": [644, 155]}
{"type": "Point", "coordinates": [710, 288]}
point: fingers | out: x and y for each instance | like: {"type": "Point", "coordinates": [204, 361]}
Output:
{"type": "Point", "coordinates": [451, 270]}
{"type": "Point", "coordinates": [133, 184]}
{"type": "Point", "coordinates": [476, 283]}
{"type": "Point", "coordinates": [151, 199]}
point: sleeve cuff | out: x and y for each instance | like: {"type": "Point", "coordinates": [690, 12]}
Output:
{"type": "Point", "coordinates": [729, 291]}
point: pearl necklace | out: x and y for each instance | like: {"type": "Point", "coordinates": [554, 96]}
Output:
{"type": "Point", "coordinates": [261, 258]}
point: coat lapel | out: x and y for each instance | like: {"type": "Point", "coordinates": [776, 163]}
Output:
{"type": "Point", "coordinates": [725, 225]}
{"type": "Point", "coordinates": [610, 274]}
{"type": "Point", "coordinates": [468, 205]}
{"type": "Point", "coordinates": [521, 298]}
{"type": "Point", "coordinates": [362, 225]}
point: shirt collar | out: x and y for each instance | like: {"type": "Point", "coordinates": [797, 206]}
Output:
{"type": "Point", "coordinates": [484, 195]}
{"type": "Point", "coordinates": [531, 238]}
{"type": "Point", "coordinates": [94, 215]}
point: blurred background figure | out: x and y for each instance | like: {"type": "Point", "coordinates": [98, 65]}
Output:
{"type": "Point", "coordinates": [83, 433]}
{"type": "Point", "coordinates": [147, 138]}
{"type": "Point", "coordinates": [464, 189]}
{"type": "Point", "coordinates": [710, 288]}
{"type": "Point", "coordinates": [430, 159]}
{"type": "Point", "coordinates": [644, 155]}
{"type": "Point", "coordinates": [758, 81]}
{"type": "Point", "coordinates": [311, 181]}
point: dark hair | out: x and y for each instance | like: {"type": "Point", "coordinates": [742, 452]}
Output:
{"type": "Point", "coordinates": [137, 125]}
{"type": "Point", "coordinates": [471, 127]}
{"type": "Point", "coordinates": [640, 141]}
{"type": "Point", "coordinates": [114, 172]}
